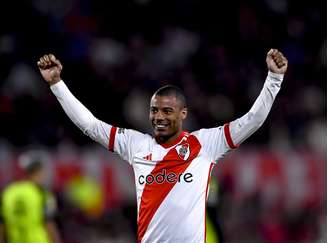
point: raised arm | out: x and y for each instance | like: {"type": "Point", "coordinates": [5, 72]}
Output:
{"type": "Point", "coordinates": [245, 126]}
{"type": "Point", "coordinates": [50, 69]}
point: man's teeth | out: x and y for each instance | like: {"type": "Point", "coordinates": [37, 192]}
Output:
{"type": "Point", "coordinates": [160, 126]}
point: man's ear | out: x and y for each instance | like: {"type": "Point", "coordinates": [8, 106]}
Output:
{"type": "Point", "coordinates": [184, 113]}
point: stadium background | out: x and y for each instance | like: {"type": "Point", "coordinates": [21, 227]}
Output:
{"type": "Point", "coordinates": [116, 53]}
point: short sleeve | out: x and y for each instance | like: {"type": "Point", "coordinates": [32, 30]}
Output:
{"type": "Point", "coordinates": [216, 142]}
{"type": "Point", "coordinates": [125, 142]}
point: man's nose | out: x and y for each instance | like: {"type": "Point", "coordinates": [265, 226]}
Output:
{"type": "Point", "coordinates": [159, 115]}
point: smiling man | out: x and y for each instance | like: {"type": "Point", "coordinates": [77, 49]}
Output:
{"type": "Point", "coordinates": [167, 111]}
{"type": "Point", "coordinates": [172, 168]}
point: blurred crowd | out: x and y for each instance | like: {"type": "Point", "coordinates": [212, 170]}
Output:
{"type": "Point", "coordinates": [117, 53]}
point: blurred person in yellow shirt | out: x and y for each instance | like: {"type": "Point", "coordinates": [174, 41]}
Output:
{"type": "Point", "coordinates": [27, 210]}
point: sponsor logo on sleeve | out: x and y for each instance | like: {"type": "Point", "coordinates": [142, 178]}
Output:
{"type": "Point", "coordinates": [121, 130]}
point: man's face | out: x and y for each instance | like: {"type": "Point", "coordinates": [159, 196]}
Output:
{"type": "Point", "coordinates": [39, 176]}
{"type": "Point", "coordinates": [166, 115]}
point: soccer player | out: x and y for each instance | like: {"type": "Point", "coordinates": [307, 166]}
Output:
{"type": "Point", "coordinates": [172, 168]}
{"type": "Point", "coordinates": [27, 210]}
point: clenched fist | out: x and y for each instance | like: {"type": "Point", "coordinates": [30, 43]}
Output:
{"type": "Point", "coordinates": [50, 68]}
{"type": "Point", "coordinates": [276, 61]}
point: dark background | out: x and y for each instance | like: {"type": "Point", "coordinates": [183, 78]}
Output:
{"type": "Point", "coordinates": [117, 53]}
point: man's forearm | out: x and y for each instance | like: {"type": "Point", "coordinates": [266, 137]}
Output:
{"type": "Point", "coordinates": [245, 126]}
{"type": "Point", "coordinates": [80, 115]}
{"type": "Point", "coordinates": [77, 112]}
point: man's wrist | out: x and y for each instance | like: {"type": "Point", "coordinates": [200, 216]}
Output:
{"type": "Point", "coordinates": [54, 81]}
{"type": "Point", "coordinates": [276, 76]}
{"type": "Point", "coordinates": [56, 87]}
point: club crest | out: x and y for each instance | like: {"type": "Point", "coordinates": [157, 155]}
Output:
{"type": "Point", "coordinates": [183, 151]}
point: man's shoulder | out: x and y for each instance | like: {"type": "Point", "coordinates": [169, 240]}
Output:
{"type": "Point", "coordinates": [135, 137]}
{"type": "Point", "coordinates": [17, 186]}
{"type": "Point", "coordinates": [135, 134]}
{"type": "Point", "coordinates": [207, 131]}
{"type": "Point", "coordinates": [12, 186]}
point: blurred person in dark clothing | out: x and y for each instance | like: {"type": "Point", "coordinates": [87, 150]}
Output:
{"type": "Point", "coordinates": [27, 210]}
{"type": "Point", "coordinates": [172, 168]}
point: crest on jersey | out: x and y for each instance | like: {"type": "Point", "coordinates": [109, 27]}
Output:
{"type": "Point", "coordinates": [183, 151]}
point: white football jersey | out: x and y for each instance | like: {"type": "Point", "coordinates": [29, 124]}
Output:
{"type": "Point", "coordinates": [171, 180]}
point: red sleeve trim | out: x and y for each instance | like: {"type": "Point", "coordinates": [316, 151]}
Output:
{"type": "Point", "coordinates": [112, 139]}
{"type": "Point", "coordinates": [228, 136]}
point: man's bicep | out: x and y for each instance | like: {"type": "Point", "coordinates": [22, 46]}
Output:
{"type": "Point", "coordinates": [99, 131]}
{"type": "Point", "coordinates": [243, 127]}
{"type": "Point", "coordinates": [215, 142]}
{"type": "Point", "coordinates": [116, 139]}
{"type": "Point", "coordinates": [125, 142]}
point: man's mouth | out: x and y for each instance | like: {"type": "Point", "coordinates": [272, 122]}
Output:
{"type": "Point", "coordinates": [160, 126]}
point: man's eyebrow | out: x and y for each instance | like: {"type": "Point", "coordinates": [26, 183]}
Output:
{"type": "Point", "coordinates": [168, 108]}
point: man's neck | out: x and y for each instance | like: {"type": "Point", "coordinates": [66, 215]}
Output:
{"type": "Point", "coordinates": [168, 139]}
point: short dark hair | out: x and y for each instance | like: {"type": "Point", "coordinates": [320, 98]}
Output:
{"type": "Point", "coordinates": [35, 166]}
{"type": "Point", "coordinates": [172, 90]}
{"type": "Point", "coordinates": [31, 163]}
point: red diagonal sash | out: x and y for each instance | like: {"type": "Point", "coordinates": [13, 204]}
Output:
{"type": "Point", "coordinates": [154, 194]}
